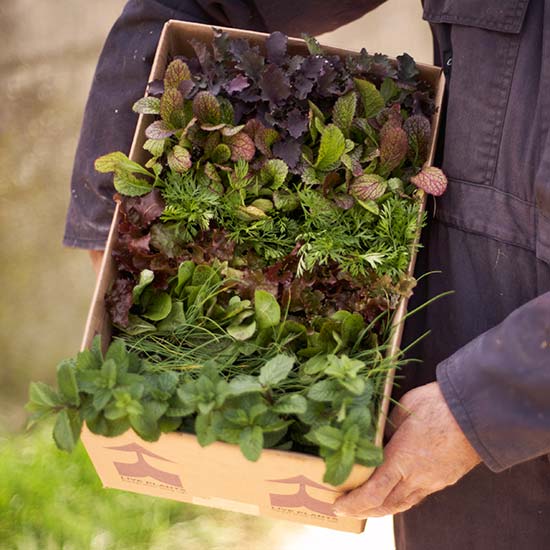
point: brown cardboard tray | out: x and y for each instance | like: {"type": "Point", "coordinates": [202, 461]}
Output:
{"type": "Point", "coordinates": [281, 484]}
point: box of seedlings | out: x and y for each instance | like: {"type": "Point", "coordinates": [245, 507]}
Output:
{"type": "Point", "coordinates": [242, 340]}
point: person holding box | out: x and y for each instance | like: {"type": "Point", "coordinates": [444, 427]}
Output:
{"type": "Point", "coordinates": [468, 463]}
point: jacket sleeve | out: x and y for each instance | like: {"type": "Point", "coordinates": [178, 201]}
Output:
{"type": "Point", "coordinates": [311, 16]}
{"type": "Point", "coordinates": [120, 79]}
{"type": "Point", "coordinates": [498, 387]}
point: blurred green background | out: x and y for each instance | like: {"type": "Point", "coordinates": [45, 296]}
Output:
{"type": "Point", "coordinates": [49, 500]}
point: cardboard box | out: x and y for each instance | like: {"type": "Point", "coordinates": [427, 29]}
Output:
{"type": "Point", "coordinates": [281, 484]}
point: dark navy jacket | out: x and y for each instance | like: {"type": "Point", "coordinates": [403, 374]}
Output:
{"type": "Point", "coordinates": [489, 345]}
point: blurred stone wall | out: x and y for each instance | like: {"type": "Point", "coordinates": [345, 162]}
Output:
{"type": "Point", "coordinates": [47, 57]}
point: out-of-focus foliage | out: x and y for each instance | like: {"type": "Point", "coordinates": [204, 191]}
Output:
{"type": "Point", "coordinates": [50, 500]}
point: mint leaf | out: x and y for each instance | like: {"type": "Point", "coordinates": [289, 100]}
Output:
{"type": "Point", "coordinates": [293, 403]}
{"type": "Point", "coordinates": [42, 395]}
{"type": "Point", "coordinates": [333, 146]}
{"type": "Point", "coordinates": [66, 432]}
{"type": "Point", "coordinates": [325, 390]}
{"type": "Point", "coordinates": [276, 370]}
{"type": "Point", "coordinates": [339, 465]}
{"type": "Point", "coordinates": [243, 384]}
{"type": "Point", "coordinates": [368, 454]}
{"type": "Point", "coordinates": [251, 441]}
{"type": "Point", "coordinates": [327, 436]}
{"type": "Point", "coordinates": [66, 382]}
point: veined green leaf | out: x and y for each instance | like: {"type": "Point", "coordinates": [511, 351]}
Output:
{"type": "Point", "coordinates": [293, 403]}
{"type": "Point", "coordinates": [268, 311]}
{"type": "Point", "coordinates": [372, 99]}
{"type": "Point", "coordinates": [344, 112]}
{"type": "Point", "coordinates": [327, 436]}
{"type": "Point", "coordinates": [244, 383]}
{"type": "Point", "coordinates": [66, 432]}
{"type": "Point", "coordinates": [339, 465]}
{"type": "Point", "coordinates": [276, 370]}
{"type": "Point", "coordinates": [251, 441]}
{"type": "Point", "coordinates": [66, 382]}
{"type": "Point", "coordinates": [118, 161]}
{"type": "Point", "coordinates": [130, 185]}
{"type": "Point", "coordinates": [147, 106]}
{"type": "Point", "coordinates": [43, 395]}
{"type": "Point", "coordinates": [333, 145]}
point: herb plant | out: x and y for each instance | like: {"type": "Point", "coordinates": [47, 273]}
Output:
{"type": "Point", "coordinates": [261, 251]}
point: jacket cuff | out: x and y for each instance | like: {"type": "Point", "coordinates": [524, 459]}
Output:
{"type": "Point", "coordinates": [498, 387]}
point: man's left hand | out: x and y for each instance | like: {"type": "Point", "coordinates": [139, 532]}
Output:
{"type": "Point", "coordinates": [427, 452]}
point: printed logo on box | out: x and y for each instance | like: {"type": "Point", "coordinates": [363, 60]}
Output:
{"type": "Point", "coordinates": [301, 498]}
{"type": "Point", "coordinates": [136, 472]}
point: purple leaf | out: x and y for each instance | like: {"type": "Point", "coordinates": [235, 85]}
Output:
{"type": "Point", "coordinates": [159, 130]}
{"type": "Point", "coordinates": [432, 180]}
{"type": "Point", "coordinates": [406, 68]}
{"type": "Point", "coordinates": [419, 132]}
{"type": "Point", "coordinates": [142, 211]}
{"type": "Point", "coordinates": [297, 123]}
{"type": "Point", "coordinates": [274, 84]}
{"type": "Point", "coordinates": [237, 84]}
{"type": "Point", "coordinates": [276, 45]}
{"type": "Point", "coordinates": [186, 87]}
{"type": "Point", "coordinates": [289, 151]}
{"type": "Point", "coordinates": [156, 87]}
{"type": "Point", "coordinates": [242, 147]}
{"type": "Point", "coordinates": [368, 187]}
{"type": "Point", "coordinates": [344, 201]}
{"type": "Point", "coordinates": [248, 58]}
{"type": "Point", "coordinates": [393, 146]}
{"type": "Point", "coordinates": [119, 301]}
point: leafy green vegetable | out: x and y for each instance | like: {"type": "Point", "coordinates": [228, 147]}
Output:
{"type": "Point", "coordinates": [261, 251]}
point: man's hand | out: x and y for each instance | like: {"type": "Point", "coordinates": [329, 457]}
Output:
{"type": "Point", "coordinates": [427, 452]}
{"type": "Point", "coordinates": [97, 257]}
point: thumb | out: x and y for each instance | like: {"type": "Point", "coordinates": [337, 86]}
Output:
{"type": "Point", "coordinates": [371, 494]}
